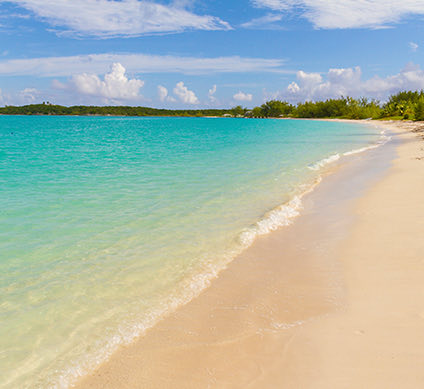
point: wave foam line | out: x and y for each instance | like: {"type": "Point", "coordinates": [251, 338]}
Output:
{"type": "Point", "coordinates": [281, 216]}
{"type": "Point", "coordinates": [335, 157]}
{"type": "Point", "coordinates": [361, 150]}
{"type": "Point", "coordinates": [129, 332]}
{"type": "Point", "coordinates": [320, 164]}
{"type": "Point", "coordinates": [383, 140]}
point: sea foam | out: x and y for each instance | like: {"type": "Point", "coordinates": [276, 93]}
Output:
{"type": "Point", "coordinates": [105, 244]}
{"type": "Point", "coordinates": [335, 157]}
{"type": "Point", "coordinates": [280, 216]}
{"type": "Point", "coordinates": [325, 161]}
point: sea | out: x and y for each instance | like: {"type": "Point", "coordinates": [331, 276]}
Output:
{"type": "Point", "coordinates": [108, 224]}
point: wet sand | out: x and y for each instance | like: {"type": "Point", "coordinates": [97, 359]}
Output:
{"type": "Point", "coordinates": [333, 301]}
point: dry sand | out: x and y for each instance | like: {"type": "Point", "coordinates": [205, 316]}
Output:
{"type": "Point", "coordinates": [377, 341]}
{"type": "Point", "coordinates": [334, 301]}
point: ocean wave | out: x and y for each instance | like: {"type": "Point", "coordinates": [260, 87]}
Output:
{"type": "Point", "coordinates": [335, 157]}
{"type": "Point", "coordinates": [383, 140]}
{"type": "Point", "coordinates": [129, 331]}
{"type": "Point", "coordinates": [361, 150]}
{"type": "Point", "coordinates": [323, 162]}
{"type": "Point", "coordinates": [280, 216]}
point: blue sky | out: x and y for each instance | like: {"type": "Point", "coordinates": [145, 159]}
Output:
{"type": "Point", "coordinates": [199, 53]}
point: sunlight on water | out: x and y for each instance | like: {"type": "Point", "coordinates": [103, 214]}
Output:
{"type": "Point", "coordinates": [106, 224]}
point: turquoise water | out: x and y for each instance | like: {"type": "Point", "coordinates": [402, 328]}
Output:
{"type": "Point", "coordinates": [109, 223]}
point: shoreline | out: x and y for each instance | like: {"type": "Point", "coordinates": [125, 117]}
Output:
{"type": "Point", "coordinates": [92, 354]}
{"type": "Point", "coordinates": [330, 119]}
{"type": "Point", "coordinates": [235, 311]}
{"type": "Point", "coordinates": [375, 340]}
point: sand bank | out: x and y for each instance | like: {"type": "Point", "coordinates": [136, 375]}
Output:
{"type": "Point", "coordinates": [334, 301]}
{"type": "Point", "coordinates": [377, 340]}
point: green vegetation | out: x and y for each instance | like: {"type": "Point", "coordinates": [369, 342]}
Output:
{"type": "Point", "coordinates": [276, 108]}
{"type": "Point", "coordinates": [403, 105]}
{"type": "Point", "coordinates": [50, 109]}
{"type": "Point", "coordinates": [238, 111]}
{"type": "Point", "coordinates": [419, 109]}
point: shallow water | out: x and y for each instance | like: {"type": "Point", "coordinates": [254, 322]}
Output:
{"type": "Point", "coordinates": [108, 223]}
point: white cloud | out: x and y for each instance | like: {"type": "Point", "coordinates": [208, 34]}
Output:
{"type": "Point", "coordinates": [411, 77]}
{"type": "Point", "coordinates": [340, 82]}
{"type": "Point", "coordinates": [29, 95]}
{"type": "Point", "coordinates": [111, 18]}
{"type": "Point", "coordinates": [137, 63]}
{"type": "Point", "coordinates": [240, 96]}
{"type": "Point", "coordinates": [212, 91]}
{"type": "Point", "coordinates": [163, 94]}
{"type": "Point", "coordinates": [348, 82]}
{"type": "Point", "coordinates": [413, 46]}
{"type": "Point", "coordinates": [329, 14]}
{"type": "Point", "coordinates": [211, 94]}
{"type": "Point", "coordinates": [264, 22]}
{"type": "Point", "coordinates": [115, 86]}
{"type": "Point", "coordinates": [20, 97]}
{"type": "Point", "coordinates": [184, 94]}
{"type": "Point", "coordinates": [14, 15]}
{"type": "Point", "coordinates": [276, 5]}
{"type": "Point", "coordinates": [308, 80]}
{"type": "Point", "coordinates": [293, 88]}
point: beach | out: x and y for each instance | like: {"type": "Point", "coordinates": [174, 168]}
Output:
{"type": "Point", "coordinates": [107, 233]}
{"type": "Point", "coordinates": [335, 300]}
{"type": "Point", "coordinates": [202, 194]}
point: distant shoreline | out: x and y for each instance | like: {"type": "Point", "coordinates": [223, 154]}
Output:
{"type": "Point", "coordinates": [333, 119]}
{"type": "Point", "coordinates": [217, 117]}
{"type": "Point", "coordinates": [404, 105]}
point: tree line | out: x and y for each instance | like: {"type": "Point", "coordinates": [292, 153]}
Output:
{"type": "Point", "coordinates": [83, 110]}
{"type": "Point", "coordinates": [403, 105]}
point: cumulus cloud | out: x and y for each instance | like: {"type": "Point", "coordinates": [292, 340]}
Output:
{"type": "Point", "coordinates": [20, 97]}
{"type": "Point", "coordinates": [348, 82]}
{"type": "Point", "coordinates": [413, 46]}
{"type": "Point", "coordinates": [114, 87]}
{"type": "Point", "coordinates": [184, 94]}
{"type": "Point", "coordinates": [99, 64]}
{"type": "Point", "coordinates": [411, 77]}
{"type": "Point", "coordinates": [329, 14]}
{"type": "Point", "coordinates": [111, 18]}
{"type": "Point", "coordinates": [339, 82]}
{"type": "Point", "coordinates": [212, 91]}
{"type": "Point", "coordinates": [211, 94]}
{"type": "Point", "coordinates": [240, 96]}
{"type": "Point", "coordinates": [163, 94]}
{"type": "Point", "coordinates": [29, 95]}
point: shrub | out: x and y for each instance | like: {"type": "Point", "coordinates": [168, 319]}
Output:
{"type": "Point", "coordinates": [419, 110]}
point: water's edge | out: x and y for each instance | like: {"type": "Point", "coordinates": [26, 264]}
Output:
{"type": "Point", "coordinates": [110, 226]}
{"type": "Point", "coordinates": [281, 216]}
